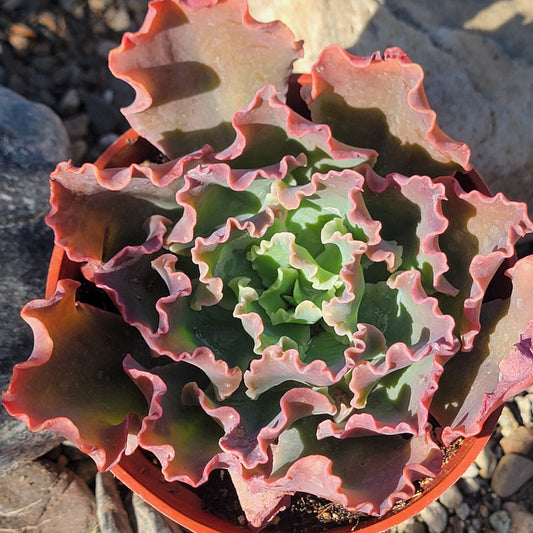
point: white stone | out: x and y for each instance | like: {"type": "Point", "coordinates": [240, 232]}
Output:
{"type": "Point", "coordinates": [486, 461]}
{"type": "Point", "coordinates": [452, 498]}
{"type": "Point", "coordinates": [507, 422]}
{"type": "Point", "coordinates": [435, 517]}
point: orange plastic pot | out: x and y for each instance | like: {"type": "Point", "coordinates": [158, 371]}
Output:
{"type": "Point", "coordinates": [176, 500]}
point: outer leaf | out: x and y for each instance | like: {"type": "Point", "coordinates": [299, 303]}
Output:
{"type": "Point", "coordinates": [344, 470]}
{"type": "Point", "coordinates": [482, 233]}
{"type": "Point", "coordinates": [254, 429]}
{"type": "Point", "coordinates": [500, 365]}
{"type": "Point", "coordinates": [177, 430]}
{"type": "Point", "coordinates": [379, 102]}
{"type": "Point", "coordinates": [73, 382]}
{"type": "Point", "coordinates": [95, 213]}
{"type": "Point", "coordinates": [190, 74]}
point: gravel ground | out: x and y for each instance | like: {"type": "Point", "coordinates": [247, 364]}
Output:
{"type": "Point", "coordinates": [55, 52]}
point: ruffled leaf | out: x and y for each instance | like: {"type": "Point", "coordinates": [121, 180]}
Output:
{"type": "Point", "coordinates": [499, 366]}
{"type": "Point", "coordinates": [481, 234]}
{"type": "Point", "coordinates": [254, 177]}
{"type": "Point", "coordinates": [255, 427]}
{"type": "Point", "coordinates": [344, 470]}
{"type": "Point", "coordinates": [379, 102]}
{"type": "Point", "coordinates": [190, 74]}
{"type": "Point", "coordinates": [73, 382]}
{"type": "Point", "coordinates": [177, 430]}
{"type": "Point", "coordinates": [95, 213]}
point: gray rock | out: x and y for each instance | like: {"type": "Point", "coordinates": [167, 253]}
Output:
{"type": "Point", "coordinates": [512, 472]}
{"type": "Point", "coordinates": [38, 496]}
{"type": "Point", "coordinates": [151, 521]}
{"type": "Point", "coordinates": [32, 141]}
{"type": "Point", "coordinates": [110, 511]}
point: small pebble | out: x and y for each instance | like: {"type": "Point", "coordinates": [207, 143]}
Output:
{"type": "Point", "coordinates": [435, 517]}
{"type": "Point", "coordinates": [512, 472]}
{"type": "Point", "coordinates": [411, 526]}
{"type": "Point", "coordinates": [463, 511]}
{"type": "Point", "coordinates": [77, 126]}
{"type": "Point", "coordinates": [70, 102]}
{"type": "Point", "coordinates": [117, 19]}
{"type": "Point", "coordinates": [470, 485]}
{"type": "Point", "coordinates": [524, 406]}
{"type": "Point", "coordinates": [500, 521]}
{"type": "Point", "coordinates": [507, 421]}
{"type": "Point", "coordinates": [486, 461]}
{"type": "Point", "coordinates": [521, 519]}
{"type": "Point", "coordinates": [452, 498]}
{"type": "Point", "coordinates": [519, 441]}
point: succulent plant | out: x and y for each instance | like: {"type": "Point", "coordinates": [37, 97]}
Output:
{"type": "Point", "coordinates": [299, 291]}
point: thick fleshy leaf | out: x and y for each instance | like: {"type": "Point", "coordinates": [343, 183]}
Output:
{"type": "Point", "coordinates": [379, 102]}
{"type": "Point", "coordinates": [190, 74]}
{"type": "Point", "coordinates": [418, 322]}
{"type": "Point", "coordinates": [177, 430]}
{"type": "Point", "coordinates": [281, 408]}
{"type": "Point", "coordinates": [95, 212]}
{"type": "Point", "coordinates": [270, 132]}
{"type": "Point", "coordinates": [398, 404]}
{"type": "Point", "coordinates": [258, 507]}
{"type": "Point", "coordinates": [481, 234]}
{"type": "Point", "coordinates": [428, 196]}
{"type": "Point", "coordinates": [499, 366]}
{"type": "Point", "coordinates": [254, 177]}
{"type": "Point", "coordinates": [73, 382]}
{"type": "Point", "coordinates": [344, 470]}
{"type": "Point", "coordinates": [187, 334]}
{"type": "Point", "coordinates": [136, 281]}
{"type": "Point", "coordinates": [277, 366]}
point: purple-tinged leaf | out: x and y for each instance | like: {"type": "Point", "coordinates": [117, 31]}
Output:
{"type": "Point", "coordinates": [177, 429]}
{"type": "Point", "coordinates": [379, 102]}
{"type": "Point", "coordinates": [481, 234]}
{"type": "Point", "coordinates": [499, 366]}
{"type": "Point", "coordinates": [190, 74]}
{"type": "Point", "coordinates": [95, 213]}
{"type": "Point", "coordinates": [73, 382]}
{"type": "Point", "coordinates": [344, 470]}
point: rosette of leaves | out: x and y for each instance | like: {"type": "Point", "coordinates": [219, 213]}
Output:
{"type": "Point", "coordinates": [299, 301]}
